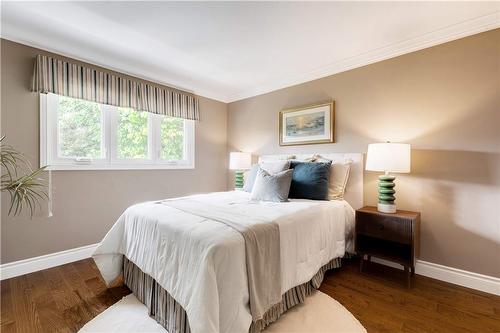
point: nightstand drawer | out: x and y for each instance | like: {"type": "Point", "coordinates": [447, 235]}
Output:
{"type": "Point", "coordinates": [384, 227]}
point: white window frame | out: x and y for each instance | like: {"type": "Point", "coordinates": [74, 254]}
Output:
{"type": "Point", "coordinates": [110, 161]}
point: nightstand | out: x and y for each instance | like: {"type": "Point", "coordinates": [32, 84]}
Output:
{"type": "Point", "coordinates": [394, 237]}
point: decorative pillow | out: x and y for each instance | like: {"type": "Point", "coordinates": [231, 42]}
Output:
{"type": "Point", "coordinates": [309, 159]}
{"type": "Point", "coordinates": [339, 175]}
{"type": "Point", "coordinates": [310, 180]}
{"type": "Point", "coordinates": [274, 158]}
{"type": "Point", "coordinates": [275, 166]}
{"type": "Point", "coordinates": [269, 187]}
{"type": "Point", "coordinates": [271, 168]}
{"type": "Point", "coordinates": [250, 178]}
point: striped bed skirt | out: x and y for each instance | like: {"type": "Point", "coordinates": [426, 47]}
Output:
{"type": "Point", "coordinates": [170, 314]}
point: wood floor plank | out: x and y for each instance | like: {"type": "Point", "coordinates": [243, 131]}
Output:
{"type": "Point", "coordinates": [25, 311]}
{"type": "Point", "coordinates": [94, 282]}
{"type": "Point", "coordinates": [90, 287]}
{"type": "Point", "coordinates": [80, 288]}
{"type": "Point", "coordinates": [7, 316]}
{"type": "Point", "coordinates": [51, 319]}
{"type": "Point", "coordinates": [67, 301]}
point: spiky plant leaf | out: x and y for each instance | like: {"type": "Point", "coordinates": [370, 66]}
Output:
{"type": "Point", "coordinates": [25, 186]}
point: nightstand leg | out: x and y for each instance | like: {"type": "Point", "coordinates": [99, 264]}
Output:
{"type": "Point", "coordinates": [412, 270]}
{"type": "Point", "coordinates": [361, 264]}
{"type": "Point", "coordinates": [408, 277]}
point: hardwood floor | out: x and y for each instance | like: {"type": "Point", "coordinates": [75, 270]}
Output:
{"type": "Point", "coordinates": [379, 299]}
{"type": "Point", "coordinates": [59, 299]}
{"type": "Point", "coordinates": [64, 298]}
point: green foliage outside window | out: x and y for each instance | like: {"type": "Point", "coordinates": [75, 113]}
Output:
{"type": "Point", "coordinates": [172, 138]}
{"type": "Point", "coordinates": [80, 128]}
{"type": "Point", "coordinates": [132, 134]}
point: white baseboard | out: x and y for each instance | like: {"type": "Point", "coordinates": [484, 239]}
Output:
{"type": "Point", "coordinates": [30, 265]}
{"type": "Point", "coordinates": [463, 278]}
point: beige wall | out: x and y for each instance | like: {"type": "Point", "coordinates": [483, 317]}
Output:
{"type": "Point", "coordinates": [445, 101]}
{"type": "Point", "coordinates": [87, 203]}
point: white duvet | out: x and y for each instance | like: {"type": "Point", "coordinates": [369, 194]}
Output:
{"type": "Point", "coordinates": [201, 262]}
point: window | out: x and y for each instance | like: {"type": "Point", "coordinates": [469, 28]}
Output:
{"type": "Point", "coordinates": [82, 135]}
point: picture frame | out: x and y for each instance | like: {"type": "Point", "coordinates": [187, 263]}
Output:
{"type": "Point", "coordinates": [307, 125]}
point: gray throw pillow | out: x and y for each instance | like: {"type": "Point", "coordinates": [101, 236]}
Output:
{"type": "Point", "coordinates": [271, 167]}
{"type": "Point", "coordinates": [273, 188]}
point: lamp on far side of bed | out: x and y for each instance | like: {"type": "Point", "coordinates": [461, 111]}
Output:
{"type": "Point", "coordinates": [239, 161]}
{"type": "Point", "coordinates": [388, 157]}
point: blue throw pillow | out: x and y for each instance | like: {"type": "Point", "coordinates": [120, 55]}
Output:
{"type": "Point", "coordinates": [310, 180]}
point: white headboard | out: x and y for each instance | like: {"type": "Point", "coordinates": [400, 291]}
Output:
{"type": "Point", "coordinates": [354, 190]}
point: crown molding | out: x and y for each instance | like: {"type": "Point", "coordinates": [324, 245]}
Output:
{"type": "Point", "coordinates": [440, 36]}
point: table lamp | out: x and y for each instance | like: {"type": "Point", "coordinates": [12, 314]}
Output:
{"type": "Point", "coordinates": [388, 157]}
{"type": "Point", "coordinates": [239, 161]}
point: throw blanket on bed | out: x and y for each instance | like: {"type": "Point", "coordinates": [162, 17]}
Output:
{"type": "Point", "coordinates": [262, 250]}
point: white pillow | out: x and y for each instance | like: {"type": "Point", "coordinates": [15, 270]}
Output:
{"type": "Point", "coordinates": [275, 158]}
{"type": "Point", "coordinates": [339, 175]}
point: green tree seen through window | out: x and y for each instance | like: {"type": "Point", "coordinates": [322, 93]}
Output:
{"type": "Point", "coordinates": [172, 139]}
{"type": "Point", "coordinates": [132, 134]}
{"type": "Point", "coordinates": [79, 128]}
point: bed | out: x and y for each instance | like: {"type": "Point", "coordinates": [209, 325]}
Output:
{"type": "Point", "coordinates": [188, 262]}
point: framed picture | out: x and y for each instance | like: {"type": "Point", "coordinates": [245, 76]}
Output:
{"type": "Point", "coordinates": [307, 125]}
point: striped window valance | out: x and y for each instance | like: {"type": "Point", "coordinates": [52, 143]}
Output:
{"type": "Point", "coordinates": [52, 75]}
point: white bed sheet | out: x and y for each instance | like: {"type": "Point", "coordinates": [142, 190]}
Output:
{"type": "Point", "coordinates": [201, 262]}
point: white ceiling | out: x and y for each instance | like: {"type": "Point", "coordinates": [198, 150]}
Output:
{"type": "Point", "coordinates": [233, 50]}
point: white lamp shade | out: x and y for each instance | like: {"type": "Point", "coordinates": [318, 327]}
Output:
{"type": "Point", "coordinates": [390, 157]}
{"type": "Point", "coordinates": [240, 161]}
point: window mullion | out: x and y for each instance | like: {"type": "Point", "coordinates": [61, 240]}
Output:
{"type": "Point", "coordinates": [52, 101]}
{"type": "Point", "coordinates": [186, 149]}
{"type": "Point", "coordinates": [151, 137]}
{"type": "Point", "coordinates": [190, 138]}
{"type": "Point", "coordinates": [107, 111]}
{"type": "Point", "coordinates": [157, 138]}
{"type": "Point", "coordinates": [44, 126]}
{"type": "Point", "coordinates": [113, 132]}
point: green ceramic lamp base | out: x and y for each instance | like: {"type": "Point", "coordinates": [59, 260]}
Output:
{"type": "Point", "coordinates": [238, 179]}
{"type": "Point", "coordinates": [386, 193]}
